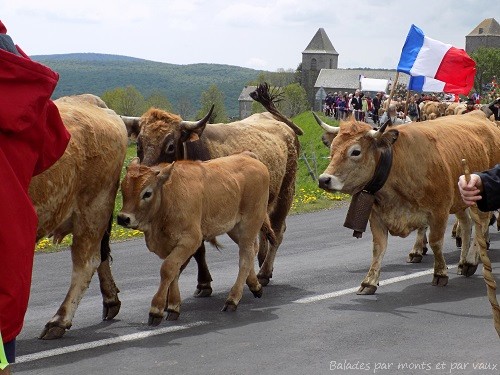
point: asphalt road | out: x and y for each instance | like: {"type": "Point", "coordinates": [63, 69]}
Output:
{"type": "Point", "coordinates": [308, 321]}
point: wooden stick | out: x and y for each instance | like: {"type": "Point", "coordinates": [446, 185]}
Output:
{"type": "Point", "coordinates": [480, 229]}
{"type": "Point", "coordinates": [392, 91]}
{"type": "Point", "coordinates": [406, 103]}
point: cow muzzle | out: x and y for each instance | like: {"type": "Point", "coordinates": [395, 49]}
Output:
{"type": "Point", "coordinates": [329, 182]}
{"type": "Point", "coordinates": [126, 220]}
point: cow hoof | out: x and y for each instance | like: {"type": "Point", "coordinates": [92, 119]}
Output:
{"type": "Point", "coordinates": [154, 320]}
{"type": "Point", "coordinates": [172, 315]}
{"type": "Point", "coordinates": [440, 280]}
{"type": "Point", "coordinates": [414, 258]}
{"type": "Point", "coordinates": [229, 306]}
{"type": "Point", "coordinates": [424, 250]}
{"type": "Point", "coordinates": [257, 293]}
{"type": "Point", "coordinates": [52, 333]}
{"type": "Point", "coordinates": [468, 269]}
{"type": "Point", "coordinates": [110, 310]}
{"type": "Point", "coordinates": [366, 290]}
{"type": "Point", "coordinates": [460, 269]}
{"type": "Point", "coordinates": [202, 291]}
{"type": "Point", "coordinates": [458, 241]}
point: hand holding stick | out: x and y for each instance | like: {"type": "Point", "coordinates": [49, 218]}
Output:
{"type": "Point", "coordinates": [480, 230]}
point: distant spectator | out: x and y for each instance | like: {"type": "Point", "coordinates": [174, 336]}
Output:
{"type": "Point", "coordinates": [470, 106]}
{"type": "Point", "coordinates": [377, 103]}
{"type": "Point", "coordinates": [394, 115]}
{"type": "Point", "coordinates": [495, 108]}
{"type": "Point", "coordinates": [413, 110]}
{"type": "Point", "coordinates": [357, 105]}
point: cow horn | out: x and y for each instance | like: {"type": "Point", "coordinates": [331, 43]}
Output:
{"type": "Point", "coordinates": [325, 126]}
{"type": "Point", "coordinates": [377, 133]}
{"type": "Point", "coordinates": [193, 125]}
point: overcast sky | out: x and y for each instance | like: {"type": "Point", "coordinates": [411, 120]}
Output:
{"type": "Point", "coordinates": [258, 34]}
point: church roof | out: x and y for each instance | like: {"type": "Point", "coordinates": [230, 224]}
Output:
{"type": "Point", "coordinates": [349, 78]}
{"type": "Point", "coordinates": [245, 93]}
{"type": "Point", "coordinates": [488, 27]}
{"type": "Point", "coordinates": [320, 43]}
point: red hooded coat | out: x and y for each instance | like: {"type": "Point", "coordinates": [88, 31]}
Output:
{"type": "Point", "coordinates": [32, 138]}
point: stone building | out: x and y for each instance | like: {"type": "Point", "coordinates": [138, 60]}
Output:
{"type": "Point", "coordinates": [486, 34]}
{"type": "Point", "coordinates": [245, 101]}
{"type": "Point", "coordinates": [319, 54]}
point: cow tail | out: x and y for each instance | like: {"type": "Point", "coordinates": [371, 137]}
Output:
{"type": "Point", "coordinates": [268, 98]}
{"type": "Point", "coordinates": [268, 232]}
{"type": "Point", "coordinates": [105, 249]}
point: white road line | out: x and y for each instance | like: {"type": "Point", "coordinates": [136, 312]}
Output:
{"type": "Point", "coordinates": [383, 282]}
{"type": "Point", "coordinates": [96, 344]}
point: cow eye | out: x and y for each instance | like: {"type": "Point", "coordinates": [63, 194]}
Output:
{"type": "Point", "coordinates": [170, 149]}
{"type": "Point", "coordinates": [147, 195]}
{"type": "Point", "coordinates": [354, 152]}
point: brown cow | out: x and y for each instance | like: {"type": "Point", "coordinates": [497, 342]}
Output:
{"type": "Point", "coordinates": [77, 196]}
{"type": "Point", "coordinates": [165, 137]}
{"type": "Point", "coordinates": [421, 188]}
{"type": "Point", "coordinates": [226, 195]}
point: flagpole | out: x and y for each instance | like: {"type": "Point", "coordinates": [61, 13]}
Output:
{"type": "Point", "coordinates": [392, 92]}
{"type": "Point", "coordinates": [406, 103]}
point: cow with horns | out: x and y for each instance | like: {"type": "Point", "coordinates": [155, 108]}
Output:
{"type": "Point", "coordinates": [165, 137]}
{"type": "Point", "coordinates": [420, 189]}
{"type": "Point", "coordinates": [226, 195]}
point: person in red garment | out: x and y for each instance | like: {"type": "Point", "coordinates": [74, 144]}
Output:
{"type": "Point", "coordinates": [32, 138]}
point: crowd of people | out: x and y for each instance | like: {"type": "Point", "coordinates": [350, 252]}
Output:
{"type": "Point", "coordinates": [363, 107]}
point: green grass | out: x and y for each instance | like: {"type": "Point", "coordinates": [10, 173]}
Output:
{"type": "Point", "coordinates": [308, 196]}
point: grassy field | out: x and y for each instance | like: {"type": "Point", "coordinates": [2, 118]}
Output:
{"type": "Point", "coordinates": [308, 197]}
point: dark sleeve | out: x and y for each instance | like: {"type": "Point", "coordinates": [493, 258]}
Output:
{"type": "Point", "coordinates": [491, 189]}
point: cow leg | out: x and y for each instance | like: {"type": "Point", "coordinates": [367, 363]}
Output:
{"type": "Point", "coordinates": [110, 301]}
{"type": "Point", "coordinates": [174, 300]}
{"type": "Point", "coordinates": [89, 231]}
{"type": "Point", "coordinates": [469, 256]}
{"type": "Point", "coordinates": [246, 259]}
{"type": "Point", "coordinates": [170, 269]}
{"type": "Point", "coordinates": [419, 248]}
{"type": "Point", "coordinates": [436, 240]}
{"type": "Point", "coordinates": [263, 249]}
{"type": "Point", "coordinates": [252, 280]}
{"type": "Point", "coordinates": [277, 219]}
{"type": "Point", "coordinates": [204, 288]}
{"type": "Point", "coordinates": [86, 258]}
{"type": "Point", "coordinates": [380, 234]}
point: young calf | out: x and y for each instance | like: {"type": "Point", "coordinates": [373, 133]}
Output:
{"type": "Point", "coordinates": [179, 205]}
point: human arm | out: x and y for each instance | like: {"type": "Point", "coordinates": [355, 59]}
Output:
{"type": "Point", "coordinates": [482, 189]}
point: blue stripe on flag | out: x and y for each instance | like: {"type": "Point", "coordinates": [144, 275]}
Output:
{"type": "Point", "coordinates": [416, 83]}
{"type": "Point", "coordinates": [413, 44]}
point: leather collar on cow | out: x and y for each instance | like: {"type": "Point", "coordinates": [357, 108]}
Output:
{"type": "Point", "coordinates": [362, 202]}
{"type": "Point", "coordinates": [382, 169]}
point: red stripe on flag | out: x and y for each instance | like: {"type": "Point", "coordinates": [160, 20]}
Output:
{"type": "Point", "coordinates": [457, 69]}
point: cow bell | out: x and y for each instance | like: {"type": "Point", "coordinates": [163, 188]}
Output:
{"type": "Point", "coordinates": [359, 212]}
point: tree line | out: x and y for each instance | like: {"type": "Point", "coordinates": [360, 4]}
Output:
{"type": "Point", "coordinates": [128, 101]}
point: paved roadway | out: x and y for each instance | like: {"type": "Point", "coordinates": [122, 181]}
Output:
{"type": "Point", "coordinates": [408, 322]}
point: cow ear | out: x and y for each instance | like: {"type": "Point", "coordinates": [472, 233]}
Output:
{"type": "Point", "coordinates": [165, 173]}
{"type": "Point", "coordinates": [389, 137]}
{"type": "Point", "coordinates": [134, 161]}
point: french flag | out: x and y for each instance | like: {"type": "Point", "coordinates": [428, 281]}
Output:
{"type": "Point", "coordinates": [427, 84]}
{"type": "Point", "coordinates": [424, 56]}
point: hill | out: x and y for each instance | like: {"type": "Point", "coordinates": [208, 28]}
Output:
{"type": "Point", "coordinates": [96, 73]}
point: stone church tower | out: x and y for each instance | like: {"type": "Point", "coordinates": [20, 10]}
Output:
{"type": "Point", "coordinates": [486, 34]}
{"type": "Point", "coordinates": [319, 54]}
